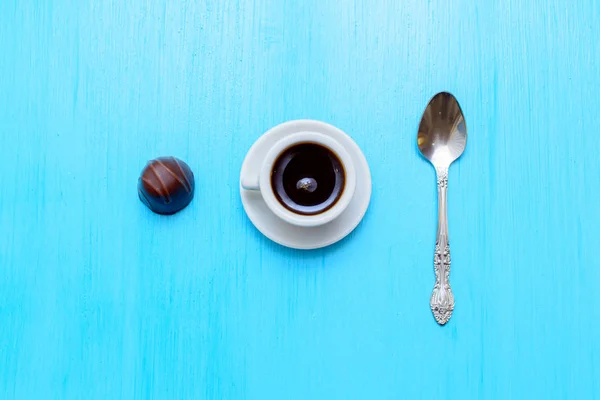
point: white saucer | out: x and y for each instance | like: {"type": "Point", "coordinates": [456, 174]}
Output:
{"type": "Point", "coordinates": [290, 235]}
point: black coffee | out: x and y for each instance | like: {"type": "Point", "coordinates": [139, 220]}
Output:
{"type": "Point", "coordinates": [308, 179]}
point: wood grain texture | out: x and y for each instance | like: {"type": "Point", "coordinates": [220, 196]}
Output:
{"type": "Point", "coordinates": [100, 299]}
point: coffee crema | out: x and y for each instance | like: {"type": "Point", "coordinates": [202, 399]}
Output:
{"type": "Point", "coordinates": [308, 179]}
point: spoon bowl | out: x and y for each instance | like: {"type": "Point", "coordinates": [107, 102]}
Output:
{"type": "Point", "coordinates": [442, 138]}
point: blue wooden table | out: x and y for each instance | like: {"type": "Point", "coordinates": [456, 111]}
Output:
{"type": "Point", "coordinates": [101, 299]}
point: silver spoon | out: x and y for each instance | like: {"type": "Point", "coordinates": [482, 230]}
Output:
{"type": "Point", "coordinates": [442, 139]}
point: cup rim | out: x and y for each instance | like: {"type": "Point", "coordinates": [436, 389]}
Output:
{"type": "Point", "coordinates": [270, 198]}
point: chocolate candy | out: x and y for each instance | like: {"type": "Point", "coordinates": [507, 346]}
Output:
{"type": "Point", "coordinates": [166, 185]}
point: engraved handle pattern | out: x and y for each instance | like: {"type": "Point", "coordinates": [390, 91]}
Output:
{"type": "Point", "coordinates": [442, 299]}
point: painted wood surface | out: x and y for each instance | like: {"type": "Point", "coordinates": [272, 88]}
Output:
{"type": "Point", "coordinates": [100, 299]}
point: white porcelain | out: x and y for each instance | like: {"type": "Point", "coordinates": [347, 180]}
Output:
{"type": "Point", "coordinates": [262, 181]}
{"type": "Point", "coordinates": [283, 226]}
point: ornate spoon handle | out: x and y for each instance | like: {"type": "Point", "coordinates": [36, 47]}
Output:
{"type": "Point", "coordinates": [442, 299]}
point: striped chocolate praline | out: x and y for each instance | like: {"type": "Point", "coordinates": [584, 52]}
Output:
{"type": "Point", "coordinates": [166, 185]}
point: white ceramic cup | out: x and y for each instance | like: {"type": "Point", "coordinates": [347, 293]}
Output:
{"type": "Point", "coordinates": [262, 181]}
